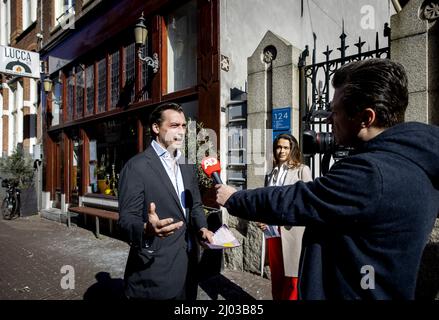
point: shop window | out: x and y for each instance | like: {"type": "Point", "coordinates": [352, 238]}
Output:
{"type": "Point", "coordinates": [70, 96]}
{"type": "Point", "coordinates": [114, 79]}
{"type": "Point", "coordinates": [129, 67]}
{"type": "Point", "coordinates": [79, 92]}
{"type": "Point", "coordinates": [112, 144]}
{"type": "Point", "coordinates": [90, 89]}
{"type": "Point", "coordinates": [56, 101]}
{"type": "Point", "coordinates": [182, 47]}
{"type": "Point", "coordinates": [102, 85]}
{"type": "Point", "coordinates": [76, 173]}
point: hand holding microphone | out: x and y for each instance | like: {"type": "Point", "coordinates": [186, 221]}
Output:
{"type": "Point", "coordinates": [212, 167]}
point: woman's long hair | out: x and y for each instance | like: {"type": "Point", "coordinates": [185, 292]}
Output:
{"type": "Point", "coordinates": [294, 158]}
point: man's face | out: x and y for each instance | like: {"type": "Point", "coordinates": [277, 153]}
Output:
{"type": "Point", "coordinates": [171, 132]}
{"type": "Point", "coordinates": [345, 128]}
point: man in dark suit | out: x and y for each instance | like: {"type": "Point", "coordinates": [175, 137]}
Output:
{"type": "Point", "coordinates": [160, 213]}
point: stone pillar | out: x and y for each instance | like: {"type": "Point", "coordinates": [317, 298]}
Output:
{"type": "Point", "coordinates": [273, 82]}
{"type": "Point", "coordinates": [415, 44]}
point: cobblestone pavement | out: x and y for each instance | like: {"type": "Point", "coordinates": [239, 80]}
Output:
{"type": "Point", "coordinates": [36, 254]}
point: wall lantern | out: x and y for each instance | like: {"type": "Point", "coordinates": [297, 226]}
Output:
{"type": "Point", "coordinates": [141, 36]}
{"type": "Point", "coordinates": [47, 83]}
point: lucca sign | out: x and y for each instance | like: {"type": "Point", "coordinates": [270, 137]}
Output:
{"type": "Point", "coordinates": [19, 62]}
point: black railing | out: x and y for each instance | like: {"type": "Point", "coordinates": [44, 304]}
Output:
{"type": "Point", "coordinates": [319, 75]}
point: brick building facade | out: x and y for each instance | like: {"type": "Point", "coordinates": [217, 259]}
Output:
{"type": "Point", "coordinates": [19, 95]}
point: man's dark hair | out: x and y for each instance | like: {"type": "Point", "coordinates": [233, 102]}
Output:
{"type": "Point", "coordinates": [156, 114]}
{"type": "Point", "coordinates": [380, 84]}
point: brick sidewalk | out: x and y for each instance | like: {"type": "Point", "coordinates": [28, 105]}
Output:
{"type": "Point", "coordinates": [33, 250]}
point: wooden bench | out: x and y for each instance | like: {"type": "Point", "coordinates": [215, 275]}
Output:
{"type": "Point", "coordinates": [97, 213]}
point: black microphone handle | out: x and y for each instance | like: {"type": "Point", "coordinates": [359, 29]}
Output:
{"type": "Point", "coordinates": [216, 178]}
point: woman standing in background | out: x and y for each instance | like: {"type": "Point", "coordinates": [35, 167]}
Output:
{"type": "Point", "coordinates": [284, 244]}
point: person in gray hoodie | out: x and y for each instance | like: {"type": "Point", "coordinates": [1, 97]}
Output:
{"type": "Point", "coordinates": [369, 218]}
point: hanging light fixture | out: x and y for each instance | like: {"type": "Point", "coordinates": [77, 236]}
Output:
{"type": "Point", "coordinates": [141, 36]}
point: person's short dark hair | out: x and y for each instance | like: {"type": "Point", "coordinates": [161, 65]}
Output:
{"type": "Point", "coordinates": [380, 84]}
{"type": "Point", "coordinates": [156, 114]}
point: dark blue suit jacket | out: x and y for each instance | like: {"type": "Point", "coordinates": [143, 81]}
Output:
{"type": "Point", "coordinates": [367, 220]}
{"type": "Point", "coordinates": [156, 267]}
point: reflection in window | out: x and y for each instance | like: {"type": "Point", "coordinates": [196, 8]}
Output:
{"type": "Point", "coordinates": [64, 10]}
{"type": "Point", "coordinates": [79, 92]}
{"type": "Point", "coordinates": [76, 174]}
{"type": "Point", "coordinates": [56, 101]}
{"type": "Point", "coordinates": [102, 84]}
{"type": "Point", "coordinates": [114, 79]}
{"type": "Point", "coordinates": [115, 142]}
{"type": "Point", "coordinates": [70, 95]}
{"type": "Point", "coordinates": [182, 47]}
{"type": "Point", "coordinates": [90, 85]}
{"type": "Point", "coordinates": [130, 59]}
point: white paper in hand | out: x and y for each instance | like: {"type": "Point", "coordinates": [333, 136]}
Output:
{"type": "Point", "coordinates": [223, 238]}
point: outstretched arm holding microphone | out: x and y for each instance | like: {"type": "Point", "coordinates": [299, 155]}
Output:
{"type": "Point", "coordinates": [366, 227]}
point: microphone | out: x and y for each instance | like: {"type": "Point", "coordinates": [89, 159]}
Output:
{"type": "Point", "coordinates": [212, 167]}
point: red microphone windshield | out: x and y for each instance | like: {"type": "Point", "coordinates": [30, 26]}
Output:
{"type": "Point", "coordinates": [210, 165]}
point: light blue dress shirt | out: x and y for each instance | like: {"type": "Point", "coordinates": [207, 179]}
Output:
{"type": "Point", "coordinates": [172, 168]}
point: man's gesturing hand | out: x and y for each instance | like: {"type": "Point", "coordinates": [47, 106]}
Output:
{"type": "Point", "coordinates": [160, 228]}
{"type": "Point", "coordinates": [223, 193]}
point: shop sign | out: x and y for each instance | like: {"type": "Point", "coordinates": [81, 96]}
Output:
{"type": "Point", "coordinates": [56, 64]}
{"type": "Point", "coordinates": [18, 62]}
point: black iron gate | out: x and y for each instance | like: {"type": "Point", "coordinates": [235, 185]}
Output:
{"type": "Point", "coordinates": [314, 109]}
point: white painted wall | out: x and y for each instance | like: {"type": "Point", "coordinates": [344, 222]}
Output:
{"type": "Point", "coordinates": [1, 123]}
{"type": "Point", "coordinates": [245, 22]}
{"type": "Point", "coordinates": [19, 108]}
{"type": "Point", "coordinates": [11, 126]}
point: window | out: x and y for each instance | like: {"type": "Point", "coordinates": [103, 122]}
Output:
{"type": "Point", "coordinates": [64, 9]}
{"type": "Point", "coordinates": [237, 144]}
{"type": "Point", "coordinates": [112, 143]}
{"type": "Point", "coordinates": [90, 89]}
{"type": "Point", "coordinates": [182, 47]}
{"type": "Point", "coordinates": [114, 79]}
{"type": "Point", "coordinates": [76, 173]}
{"type": "Point", "coordinates": [130, 71]}
{"type": "Point", "coordinates": [79, 92]}
{"type": "Point", "coordinates": [102, 85]}
{"type": "Point", "coordinates": [29, 8]}
{"type": "Point", "coordinates": [70, 95]}
{"type": "Point", "coordinates": [5, 22]}
{"type": "Point", "coordinates": [56, 101]}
